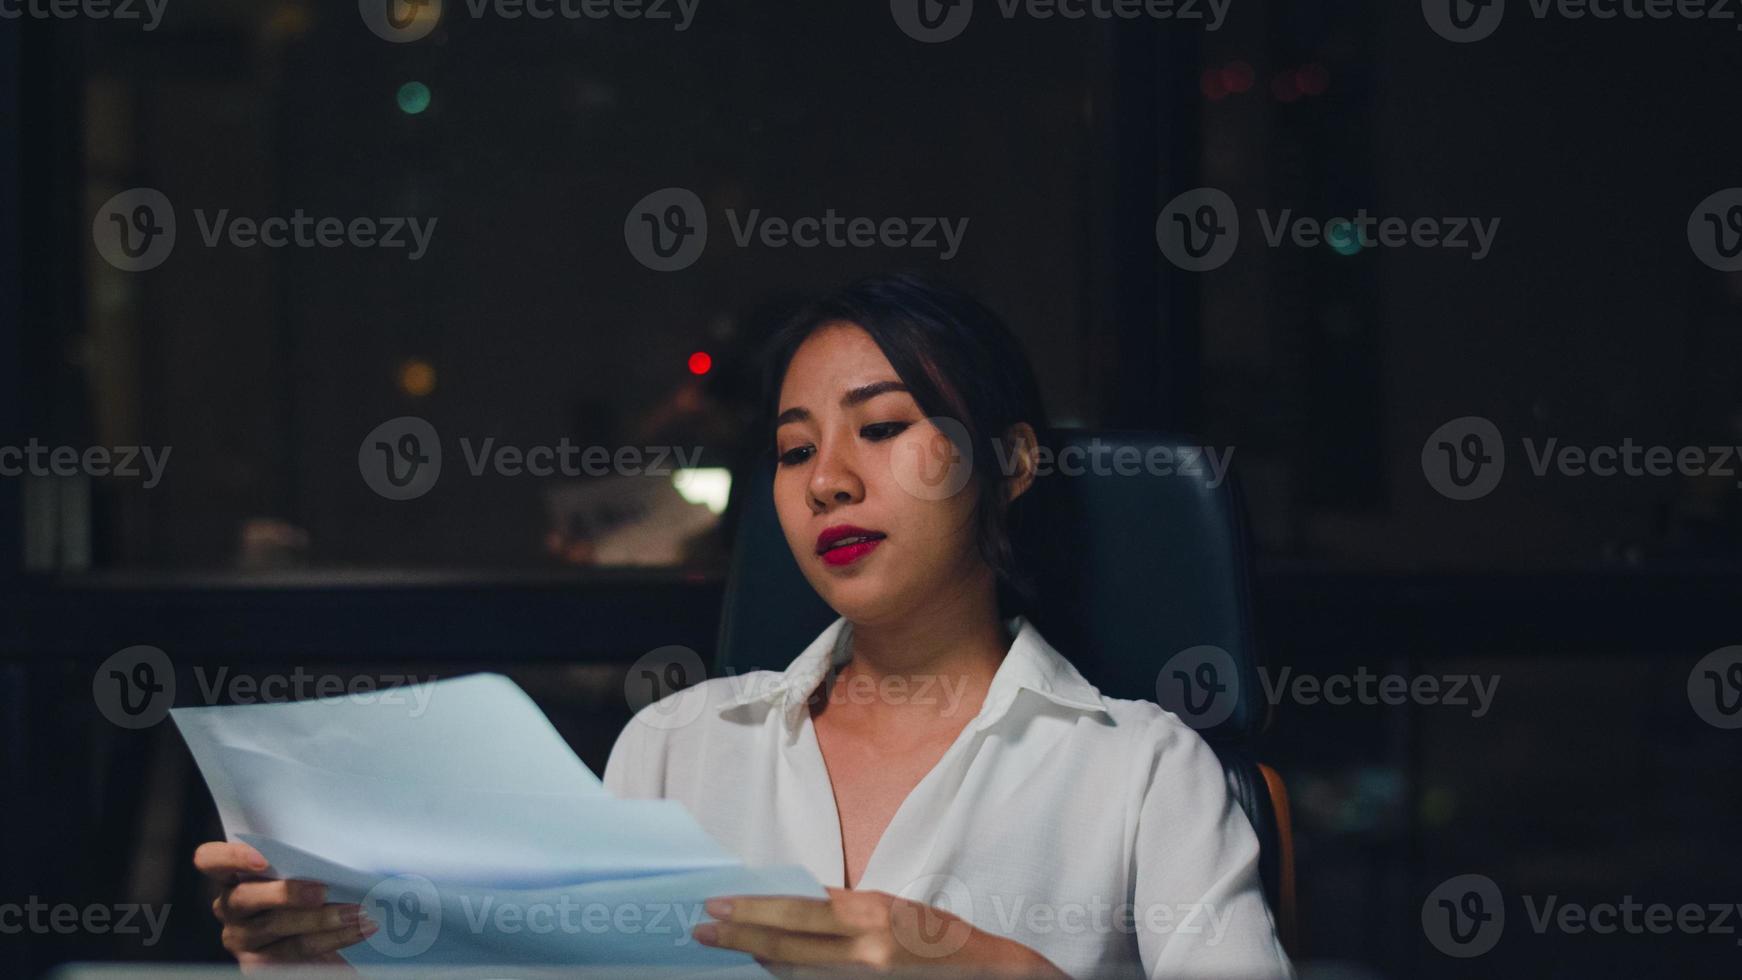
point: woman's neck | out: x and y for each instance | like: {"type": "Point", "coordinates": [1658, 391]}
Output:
{"type": "Point", "coordinates": [951, 645]}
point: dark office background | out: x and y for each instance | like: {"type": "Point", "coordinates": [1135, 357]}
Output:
{"type": "Point", "coordinates": [1591, 321]}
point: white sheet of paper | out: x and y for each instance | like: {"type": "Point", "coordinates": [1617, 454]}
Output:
{"type": "Point", "coordinates": [469, 830]}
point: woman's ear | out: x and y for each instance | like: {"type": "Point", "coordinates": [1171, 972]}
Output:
{"type": "Point", "coordinates": [1024, 457]}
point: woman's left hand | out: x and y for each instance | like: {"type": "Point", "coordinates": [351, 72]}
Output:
{"type": "Point", "coordinates": [868, 931]}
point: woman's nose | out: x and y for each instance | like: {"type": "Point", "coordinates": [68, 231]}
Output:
{"type": "Point", "coordinates": [834, 481]}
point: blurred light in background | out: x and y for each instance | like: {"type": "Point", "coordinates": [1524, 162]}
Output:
{"type": "Point", "coordinates": [700, 362]}
{"type": "Point", "coordinates": [706, 485]}
{"type": "Point", "coordinates": [417, 377]}
{"type": "Point", "coordinates": [413, 98]}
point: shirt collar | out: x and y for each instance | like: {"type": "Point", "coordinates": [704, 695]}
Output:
{"type": "Point", "coordinates": [1031, 665]}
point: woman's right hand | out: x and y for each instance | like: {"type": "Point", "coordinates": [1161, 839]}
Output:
{"type": "Point", "coordinates": [267, 922]}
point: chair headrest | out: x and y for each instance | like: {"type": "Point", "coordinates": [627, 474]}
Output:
{"type": "Point", "coordinates": [1140, 556]}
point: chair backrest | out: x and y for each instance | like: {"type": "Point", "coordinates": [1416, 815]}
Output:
{"type": "Point", "coordinates": [1141, 559]}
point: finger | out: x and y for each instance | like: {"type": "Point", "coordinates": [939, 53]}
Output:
{"type": "Point", "coordinates": [253, 897]}
{"type": "Point", "coordinates": [269, 927]}
{"type": "Point", "coordinates": [776, 945]}
{"type": "Point", "coordinates": [225, 861]}
{"type": "Point", "coordinates": [812, 915]}
{"type": "Point", "coordinates": [313, 945]}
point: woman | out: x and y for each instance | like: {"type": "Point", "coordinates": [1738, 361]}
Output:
{"type": "Point", "coordinates": [974, 800]}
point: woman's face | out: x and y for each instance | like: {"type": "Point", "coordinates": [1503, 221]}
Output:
{"type": "Point", "coordinates": [859, 462]}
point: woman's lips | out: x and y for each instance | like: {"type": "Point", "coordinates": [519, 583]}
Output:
{"type": "Point", "coordinates": [844, 544]}
{"type": "Point", "coordinates": [847, 554]}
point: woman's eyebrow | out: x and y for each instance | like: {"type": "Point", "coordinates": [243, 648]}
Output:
{"type": "Point", "coordinates": [854, 396]}
{"type": "Point", "coordinates": [864, 393]}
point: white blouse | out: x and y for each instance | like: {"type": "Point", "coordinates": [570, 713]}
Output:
{"type": "Point", "coordinates": [1098, 832]}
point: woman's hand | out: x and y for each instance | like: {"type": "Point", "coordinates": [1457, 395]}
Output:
{"type": "Point", "coordinates": [269, 922]}
{"type": "Point", "coordinates": [867, 931]}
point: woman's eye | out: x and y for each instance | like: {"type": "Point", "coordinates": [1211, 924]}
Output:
{"type": "Point", "coordinates": [880, 431]}
{"type": "Point", "coordinates": [795, 456]}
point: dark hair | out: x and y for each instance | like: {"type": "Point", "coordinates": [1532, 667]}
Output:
{"type": "Point", "coordinates": [958, 361]}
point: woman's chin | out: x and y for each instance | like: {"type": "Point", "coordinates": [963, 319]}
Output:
{"type": "Point", "coordinates": [861, 598]}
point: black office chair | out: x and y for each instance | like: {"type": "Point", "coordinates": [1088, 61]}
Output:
{"type": "Point", "coordinates": [1142, 579]}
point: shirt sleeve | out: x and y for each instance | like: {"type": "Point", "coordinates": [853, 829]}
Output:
{"type": "Point", "coordinates": [1199, 902]}
{"type": "Point", "coordinates": [636, 768]}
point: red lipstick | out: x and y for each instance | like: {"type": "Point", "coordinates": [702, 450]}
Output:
{"type": "Point", "coordinates": [844, 544]}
